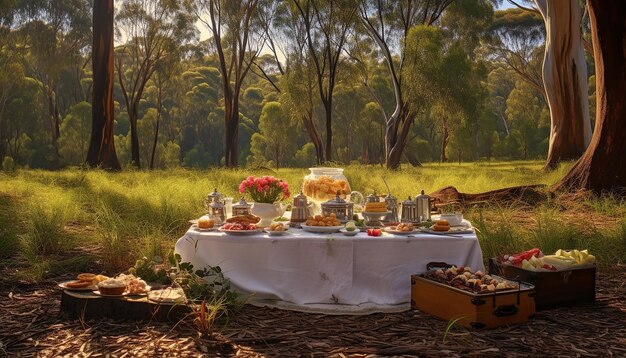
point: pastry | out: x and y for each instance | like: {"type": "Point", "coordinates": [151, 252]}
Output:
{"type": "Point", "coordinates": [247, 219]}
{"type": "Point", "coordinates": [375, 207]}
{"type": "Point", "coordinates": [323, 220]}
{"type": "Point", "coordinates": [78, 284]}
{"type": "Point", "coordinates": [88, 277]}
{"type": "Point", "coordinates": [111, 286]}
{"type": "Point", "coordinates": [98, 279]}
{"type": "Point", "coordinates": [205, 223]}
{"type": "Point", "coordinates": [441, 225]}
{"type": "Point", "coordinates": [277, 227]}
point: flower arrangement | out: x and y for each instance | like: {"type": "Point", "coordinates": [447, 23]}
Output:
{"type": "Point", "coordinates": [266, 189]}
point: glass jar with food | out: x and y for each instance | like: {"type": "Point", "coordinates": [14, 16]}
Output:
{"type": "Point", "coordinates": [323, 184]}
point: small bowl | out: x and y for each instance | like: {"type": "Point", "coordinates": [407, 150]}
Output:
{"type": "Point", "coordinates": [349, 233]}
{"type": "Point", "coordinates": [453, 219]}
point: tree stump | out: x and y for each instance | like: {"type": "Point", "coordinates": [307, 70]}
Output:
{"type": "Point", "coordinates": [87, 305]}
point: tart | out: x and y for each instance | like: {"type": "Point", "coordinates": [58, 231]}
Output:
{"type": "Point", "coordinates": [112, 287]}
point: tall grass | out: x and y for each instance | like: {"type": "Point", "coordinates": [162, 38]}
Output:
{"type": "Point", "coordinates": [132, 214]}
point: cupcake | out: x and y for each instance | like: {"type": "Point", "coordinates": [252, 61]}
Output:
{"type": "Point", "coordinates": [112, 287]}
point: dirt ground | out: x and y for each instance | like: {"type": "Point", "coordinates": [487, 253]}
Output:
{"type": "Point", "coordinates": [31, 326]}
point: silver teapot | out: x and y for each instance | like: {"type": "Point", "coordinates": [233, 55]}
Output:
{"type": "Point", "coordinates": [300, 210]}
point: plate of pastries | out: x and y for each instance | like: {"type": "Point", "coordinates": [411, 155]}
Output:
{"type": "Point", "coordinates": [443, 226]}
{"type": "Point", "coordinates": [83, 282]}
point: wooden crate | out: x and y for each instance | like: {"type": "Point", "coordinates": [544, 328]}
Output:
{"type": "Point", "coordinates": [487, 310]}
{"type": "Point", "coordinates": [553, 289]}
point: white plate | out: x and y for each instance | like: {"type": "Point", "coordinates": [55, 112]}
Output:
{"type": "Point", "coordinates": [453, 230]}
{"type": "Point", "coordinates": [63, 285]}
{"type": "Point", "coordinates": [321, 229]}
{"type": "Point", "coordinates": [242, 232]}
{"type": "Point", "coordinates": [166, 296]}
{"type": "Point", "coordinates": [103, 295]}
{"type": "Point", "coordinates": [349, 233]}
{"type": "Point", "coordinates": [398, 232]}
{"type": "Point", "coordinates": [195, 227]}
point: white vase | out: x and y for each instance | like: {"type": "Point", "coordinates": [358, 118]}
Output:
{"type": "Point", "coordinates": [267, 212]}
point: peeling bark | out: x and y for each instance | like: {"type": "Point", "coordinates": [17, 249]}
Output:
{"type": "Point", "coordinates": [602, 165]}
{"type": "Point", "coordinates": [565, 80]}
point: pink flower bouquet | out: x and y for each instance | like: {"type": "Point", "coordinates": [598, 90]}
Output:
{"type": "Point", "coordinates": [265, 189]}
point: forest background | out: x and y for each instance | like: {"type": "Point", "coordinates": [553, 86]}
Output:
{"type": "Point", "coordinates": [313, 87]}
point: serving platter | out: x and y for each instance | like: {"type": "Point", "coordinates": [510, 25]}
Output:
{"type": "Point", "coordinates": [97, 292]}
{"type": "Point", "coordinates": [398, 232]}
{"type": "Point", "coordinates": [241, 232]}
{"type": "Point", "coordinates": [64, 286]}
{"type": "Point", "coordinates": [208, 229]}
{"type": "Point", "coordinates": [321, 229]}
{"type": "Point", "coordinates": [453, 230]}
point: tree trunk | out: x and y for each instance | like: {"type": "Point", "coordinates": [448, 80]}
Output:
{"type": "Point", "coordinates": [315, 138]}
{"type": "Point", "coordinates": [134, 140]}
{"type": "Point", "coordinates": [565, 80]}
{"type": "Point", "coordinates": [158, 120]}
{"type": "Point", "coordinates": [101, 145]}
{"type": "Point", "coordinates": [601, 166]}
{"type": "Point", "coordinates": [328, 106]}
{"type": "Point", "coordinates": [232, 132]}
{"type": "Point", "coordinates": [444, 145]}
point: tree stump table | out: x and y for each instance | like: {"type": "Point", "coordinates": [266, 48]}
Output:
{"type": "Point", "coordinates": [88, 305]}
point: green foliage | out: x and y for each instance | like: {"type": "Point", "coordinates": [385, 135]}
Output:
{"type": "Point", "coordinates": [76, 129]}
{"type": "Point", "coordinates": [146, 269]}
{"type": "Point", "coordinates": [8, 165]}
{"type": "Point", "coordinates": [271, 144]}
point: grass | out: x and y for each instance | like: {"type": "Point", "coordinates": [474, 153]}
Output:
{"type": "Point", "coordinates": [132, 214]}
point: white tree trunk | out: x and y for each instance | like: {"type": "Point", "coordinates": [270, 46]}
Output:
{"type": "Point", "coordinates": [565, 80]}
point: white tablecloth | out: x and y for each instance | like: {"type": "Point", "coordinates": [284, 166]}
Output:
{"type": "Point", "coordinates": [306, 268]}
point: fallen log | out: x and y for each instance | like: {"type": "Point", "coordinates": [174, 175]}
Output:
{"type": "Point", "coordinates": [527, 195]}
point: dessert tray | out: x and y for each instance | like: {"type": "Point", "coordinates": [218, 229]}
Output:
{"type": "Point", "coordinates": [321, 229]}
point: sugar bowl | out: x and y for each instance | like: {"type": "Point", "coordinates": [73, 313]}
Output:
{"type": "Point", "coordinates": [241, 208]}
{"type": "Point", "coordinates": [342, 209]}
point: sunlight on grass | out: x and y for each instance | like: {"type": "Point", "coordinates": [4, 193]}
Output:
{"type": "Point", "coordinates": [142, 213]}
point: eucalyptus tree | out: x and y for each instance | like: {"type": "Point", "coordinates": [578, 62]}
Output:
{"type": "Point", "coordinates": [388, 24]}
{"type": "Point", "coordinates": [235, 38]}
{"type": "Point", "coordinates": [328, 25]}
{"type": "Point", "coordinates": [101, 151]}
{"type": "Point", "coordinates": [152, 30]}
{"type": "Point", "coordinates": [564, 77]}
{"type": "Point", "coordinates": [298, 82]}
{"type": "Point", "coordinates": [516, 38]}
{"type": "Point", "coordinates": [601, 166]}
{"type": "Point", "coordinates": [12, 72]}
{"type": "Point", "coordinates": [57, 35]}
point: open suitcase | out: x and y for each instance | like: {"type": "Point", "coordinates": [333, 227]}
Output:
{"type": "Point", "coordinates": [468, 309]}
